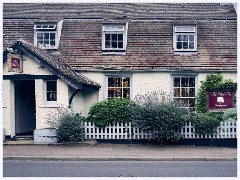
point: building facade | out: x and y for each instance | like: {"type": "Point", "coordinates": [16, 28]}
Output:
{"type": "Point", "coordinates": [76, 55]}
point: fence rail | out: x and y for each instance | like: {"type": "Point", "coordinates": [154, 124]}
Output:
{"type": "Point", "coordinates": [227, 129]}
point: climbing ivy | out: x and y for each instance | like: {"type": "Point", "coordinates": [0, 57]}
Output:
{"type": "Point", "coordinates": [204, 121]}
{"type": "Point", "coordinates": [213, 81]}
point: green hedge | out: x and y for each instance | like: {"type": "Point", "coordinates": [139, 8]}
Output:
{"type": "Point", "coordinates": [109, 112]}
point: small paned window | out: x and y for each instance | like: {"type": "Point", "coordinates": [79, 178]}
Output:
{"type": "Point", "coordinates": [51, 90]}
{"type": "Point", "coordinates": [113, 37]}
{"type": "Point", "coordinates": [118, 87]}
{"type": "Point", "coordinates": [46, 39]}
{"type": "Point", "coordinates": [185, 38]}
{"type": "Point", "coordinates": [45, 36]}
{"type": "Point", "coordinates": [184, 90]}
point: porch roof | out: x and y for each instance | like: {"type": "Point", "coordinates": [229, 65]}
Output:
{"type": "Point", "coordinates": [54, 64]}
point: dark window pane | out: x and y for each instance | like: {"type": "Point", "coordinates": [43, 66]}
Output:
{"type": "Point", "coordinates": [179, 45]}
{"type": "Point", "coordinates": [46, 36]}
{"type": "Point", "coordinates": [126, 82]}
{"type": "Point", "coordinates": [126, 93]}
{"type": "Point", "coordinates": [111, 93]}
{"type": "Point", "coordinates": [192, 102]}
{"type": "Point", "coordinates": [192, 92]}
{"type": "Point", "coordinates": [107, 44]}
{"type": "Point", "coordinates": [185, 45]}
{"type": "Point", "coordinates": [52, 36]}
{"type": "Point", "coordinates": [51, 96]}
{"type": "Point", "coordinates": [184, 92]}
{"type": "Point", "coordinates": [176, 82]}
{"type": "Point", "coordinates": [114, 37]}
{"type": "Point", "coordinates": [114, 44]}
{"type": "Point", "coordinates": [179, 37]}
{"type": "Point", "coordinates": [191, 37]}
{"type": "Point", "coordinates": [111, 82]}
{"type": "Point", "coordinates": [176, 92]}
{"type": "Point", "coordinates": [120, 37]}
{"type": "Point", "coordinates": [184, 82]}
{"type": "Point", "coordinates": [185, 37]}
{"type": "Point", "coordinates": [107, 37]}
{"type": "Point", "coordinates": [51, 85]}
{"type": "Point", "coordinates": [118, 82]}
{"type": "Point", "coordinates": [39, 36]}
{"type": "Point", "coordinates": [191, 82]}
{"type": "Point", "coordinates": [120, 44]}
{"type": "Point", "coordinates": [52, 43]}
{"type": "Point", "coordinates": [191, 45]}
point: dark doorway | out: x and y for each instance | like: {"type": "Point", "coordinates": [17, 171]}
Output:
{"type": "Point", "coordinates": [25, 107]}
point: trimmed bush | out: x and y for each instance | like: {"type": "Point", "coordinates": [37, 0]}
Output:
{"type": "Point", "coordinates": [159, 115]}
{"type": "Point", "coordinates": [230, 114]}
{"type": "Point", "coordinates": [108, 112]}
{"type": "Point", "coordinates": [206, 123]}
{"type": "Point", "coordinates": [70, 126]}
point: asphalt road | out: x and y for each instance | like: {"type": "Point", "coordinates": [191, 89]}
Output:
{"type": "Point", "coordinates": [15, 168]}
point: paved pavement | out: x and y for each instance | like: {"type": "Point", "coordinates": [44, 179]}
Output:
{"type": "Point", "coordinates": [92, 151]}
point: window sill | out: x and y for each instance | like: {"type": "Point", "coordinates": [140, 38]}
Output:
{"type": "Point", "coordinates": [185, 52]}
{"type": "Point", "coordinates": [114, 53]}
{"type": "Point", "coordinates": [50, 105]}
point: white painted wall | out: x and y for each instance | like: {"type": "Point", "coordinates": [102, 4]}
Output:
{"type": "Point", "coordinates": [151, 81]}
{"type": "Point", "coordinates": [141, 83]}
{"type": "Point", "coordinates": [8, 107]}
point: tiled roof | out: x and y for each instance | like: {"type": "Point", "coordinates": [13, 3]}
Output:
{"type": "Point", "coordinates": [57, 66]}
{"type": "Point", "coordinates": [118, 10]}
{"type": "Point", "coordinates": [150, 34]}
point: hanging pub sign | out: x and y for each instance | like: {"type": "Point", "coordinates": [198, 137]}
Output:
{"type": "Point", "coordinates": [15, 62]}
{"type": "Point", "coordinates": [220, 100]}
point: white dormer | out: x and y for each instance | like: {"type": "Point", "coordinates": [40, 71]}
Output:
{"type": "Point", "coordinates": [47, 34]}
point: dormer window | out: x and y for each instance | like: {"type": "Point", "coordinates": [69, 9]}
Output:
{"type": "Point", "coordinates": [45, 35]}
{"type": "Point", "coordinates": [185, 38]}
{"type": "Point", "coordinates": [113, 37]}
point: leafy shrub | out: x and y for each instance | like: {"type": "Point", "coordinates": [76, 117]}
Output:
{"type": "Point", "coordinates": [108, 112]}
{"type": "Point", "coordinates": [206, 123]}
{"type": "Point", "coordinates": [156, 113]}
{"type": "Point", "coordinates": [230, 114]}
{"type": "Point", "coordinates": [70, 127]}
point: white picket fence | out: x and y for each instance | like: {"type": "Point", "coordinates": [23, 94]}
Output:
{"type": "Point", "coordinates": [227, 129]}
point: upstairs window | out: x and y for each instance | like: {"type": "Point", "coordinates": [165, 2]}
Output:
{"type": "Point", "coordinates": [45, 36]}
{"type": "Point", "coordinates": [113, 37]}
{"type": "Point", "coordinates": [185, 38]}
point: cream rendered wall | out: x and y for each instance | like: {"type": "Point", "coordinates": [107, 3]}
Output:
{"type": "Point", "coordinates": [42, 107]}
{"type": "Point", "coordinates": [83, 100]}
{"type": "Point", "coordinates": [8, 107]}
{"type": "Point", "coordinates": [145, 82]}
{"type": "Point", "coordinates": [98, 77]}
{"type": "Point", "coordinates": [29, 67]}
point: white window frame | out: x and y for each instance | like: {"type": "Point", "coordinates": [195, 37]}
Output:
{"type": "Point", "coordinates": [122, 87]}
{"type": "Point", "coordinates": [188, 87]}
{"type": "Point", "coordinates": [46, 91]}
{"type": "Point", "coordinates": [46, 46]}
{"type": "Point", "coordinates": [114, 29]}
{"type": "Point", "coordinates": [45, 28]}
{"type": "Point", "coordinates": [184, 30]}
